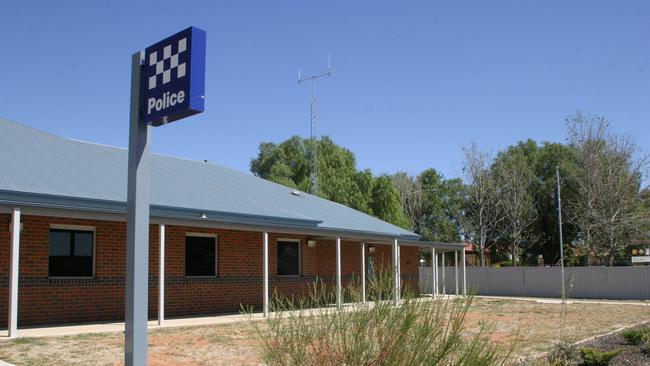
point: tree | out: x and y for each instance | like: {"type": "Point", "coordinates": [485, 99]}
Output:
{"type": "Point", "coordinates": [289, 163]}
{"type": "Point", "coordinates": [286, 163]}
{"type": "Point", "coordinates": [607, 208]}
{"type": "Point", "coordinates": [385, 202]}
{"type": "Point", "coordinates": [546, 228]}
{"type": "Point", "coordinates": [587, 137]}
{"type": "Point", "coordinates": [515, 195]}
{"type": "Point", "coordinates": [411, 199]}
{"type": "Point", "coordinates": [443, 200]}
{"type": "Point", "coordinates": [480, 215]}
{"type": "Point", "coordinates": [431, 203]}
{"type": "Point", "coordinates": [619, 212]}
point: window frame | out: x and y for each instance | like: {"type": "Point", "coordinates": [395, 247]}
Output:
{"type": "Point", "coordinates": [277, 264]}
{"type": "Point", "coordinates": [72, 228]}
{"type": "Point", "coordinates": [216, 253]}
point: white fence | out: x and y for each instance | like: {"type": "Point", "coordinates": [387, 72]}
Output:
{"type": "Point", "coordinates": [615, 283]}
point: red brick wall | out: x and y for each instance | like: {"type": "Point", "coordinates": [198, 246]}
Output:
{"type": "Point", "coordinates": [239, 278]}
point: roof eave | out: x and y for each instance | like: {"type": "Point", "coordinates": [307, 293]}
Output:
{"type": "Point", "coordinates": [192, 216]}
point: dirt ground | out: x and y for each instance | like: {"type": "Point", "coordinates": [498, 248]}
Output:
{"type": "Point", "coordinates": [538, 325]}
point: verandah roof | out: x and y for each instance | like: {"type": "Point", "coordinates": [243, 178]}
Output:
{"type": "Point", "coordinates": [38, 169]}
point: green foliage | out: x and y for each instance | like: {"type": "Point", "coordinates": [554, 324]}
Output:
{"type": "Point", "coordinates": [594, 357]}
{"type": "Point", "coordinates": [563, 354]}
{"type": "Point", "coordinates": [442, 200]}
{"type": "Point", "coordinates": [385, 203]}
{"type": "Point", "coordinates": [645, 343]}
{"type": "Point", "coordinates": [635, 336]}
{"type": "Point", "coordinates": [289, 163]}
{"type": "Point", "coordinates": [435, 206]}
{"type": "Point", "coordinates": [418, 332]}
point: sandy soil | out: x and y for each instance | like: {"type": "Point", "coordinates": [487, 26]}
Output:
{"type": "Point", "coordinates": [538, 326]}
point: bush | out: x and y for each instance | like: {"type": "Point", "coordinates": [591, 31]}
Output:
{"type": "Point", "coordinates": [635, 336]}
{"type": "Point", "coordinates": [645, 344]}
{"type": "Point", "coordinates": [594, 357]}
{"type": "Point", "coordinates": [564, 354]}
{"type": "Point", "coordinates": [418, 332]}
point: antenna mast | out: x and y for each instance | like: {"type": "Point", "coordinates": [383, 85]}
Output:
{"type": "Point", "coordinates": [312, 78]}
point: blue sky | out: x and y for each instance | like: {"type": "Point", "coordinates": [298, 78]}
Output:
{"type": "Point", "coordinates": [413, 82]}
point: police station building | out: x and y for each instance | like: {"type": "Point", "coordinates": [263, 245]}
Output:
{"type": "Point", "coordinates": [63, 238]}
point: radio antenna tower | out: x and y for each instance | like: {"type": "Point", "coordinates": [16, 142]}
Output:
{"type": "Point", "coordinates": [313, 78]}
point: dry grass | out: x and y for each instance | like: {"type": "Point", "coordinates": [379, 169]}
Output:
{"type": "Point", "coordinates": [236, 344]}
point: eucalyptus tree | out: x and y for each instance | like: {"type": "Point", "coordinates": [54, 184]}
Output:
{"type": "Point", "coordinates": [480, 215]}
{"type": "Point", "coordinates": [289, 163]}
{"type": "Point", "coordinates": [619, 212]}
{"type": "Point", "coordinates": [515, 195]}
{"type": "Point", "coordinates": [607, 207]}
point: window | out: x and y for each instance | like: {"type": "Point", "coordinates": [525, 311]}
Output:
{"type": "Point", "coordinates": [71, 253]}
{"type": "Point", "coordinates": [288, 258]}
{"type": "Point", "coordinates": [200, 256]}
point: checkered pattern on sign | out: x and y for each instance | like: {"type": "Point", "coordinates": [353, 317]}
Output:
{"type": "Point", "coordinates": [169, 64]}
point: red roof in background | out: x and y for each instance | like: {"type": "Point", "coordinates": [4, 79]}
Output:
{"type": "Point", "coordinates": [638, 242]}
{"type": "Point", "coordinates": [471, 248]}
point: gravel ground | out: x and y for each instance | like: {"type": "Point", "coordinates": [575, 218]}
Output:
{"type": "Point", "coordinates": [631, 355]}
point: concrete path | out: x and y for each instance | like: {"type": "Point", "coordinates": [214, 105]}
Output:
{"type": "Point", "coordinates": [63, 330]}
{"type": "Point", "coordinates": [544, 300]}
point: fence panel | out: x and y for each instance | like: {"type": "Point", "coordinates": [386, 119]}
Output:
{"type": "Point", "coordinates": [615, 283]}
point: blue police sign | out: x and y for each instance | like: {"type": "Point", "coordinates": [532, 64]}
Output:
{"type": "Point", "coordinates": [173, 83]}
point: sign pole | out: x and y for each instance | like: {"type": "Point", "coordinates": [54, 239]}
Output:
{"type": "Point", "coordinates": [167, 84]}
{"type": "Point", "coordinates": [137, 231]}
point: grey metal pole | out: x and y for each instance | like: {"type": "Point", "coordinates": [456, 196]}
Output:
{"type": "Point", "coordinates": [339, 301]}
{"type": "Point", "coordinates": [399, 271]}
{"type": "Point", "coordinates": [395, 272]}
{"type": "Point", "coordinates": [437, 279]}
{"type": "Point", "coordinates": [433, 272]}
{"type": "Point", "coordinates": [559, 218]}
{"type": "Point", "coordinates": [161, 275]}
{"type": "Point", "coordinates": [444, 279]}
{"type": "Point", "coordinates": [265, 301]}
{"type": "Point", "coordinates": [363, 272]}
{"type": "Point", "coordinates": [137, 237]}
{"type": "Point", "coordinates": [456, 270]}
{"type": "Point", "coordinates": [462, 256]}
{"type": "Point", "coordinates": [14, 273]}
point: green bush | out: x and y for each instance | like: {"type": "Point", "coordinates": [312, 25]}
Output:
{"type": "Point", "coordinates": [635, 336]}
{"type": "Point", "coordinates": [417, 332]}
{"type": "Point", "coordinates": [645, 344]}
{"type": "Point", "coordinates": [594, 357]}
{"type": "Point", "coordinates": [564, 354]}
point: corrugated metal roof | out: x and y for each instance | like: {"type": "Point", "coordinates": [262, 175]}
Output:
{"type": "Point", "coordinates": [36, 165]}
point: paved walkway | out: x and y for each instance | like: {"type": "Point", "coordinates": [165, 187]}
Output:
{"type": "Point", "coordinates": [63, 330]}
{"type": "Point", "coordinates": [119, 326]}
{"type": "Point", "coordinates": [545, 300]}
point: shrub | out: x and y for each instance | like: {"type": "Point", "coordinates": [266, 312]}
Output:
{"type": "Point", "coordinates": [645, 344]}
{"type": "Point", "coordinates": [564, 354]}
{"type": "Point", "coordinates": [594, 357]}
{"type": "Point", "coordinates": [417, 332]}
{"type": "Point", "coordinates": [635, 336]}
